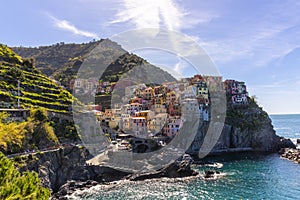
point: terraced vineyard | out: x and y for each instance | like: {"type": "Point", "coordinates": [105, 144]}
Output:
{"type": "Point", "coordinates": [36, 89]}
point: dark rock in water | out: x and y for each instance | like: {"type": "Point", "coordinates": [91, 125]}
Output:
{"type": "Point", "coordinates": [298, 141]}
{"type": "Point", "coordinates": [281, 151]}
{"type": "Point", "coordinates": [180, 168]}
{"type": "Point", "coordinates": [211, 174]}
{"type": "Point", "coordinates": [71, 186]}
{"type": "Point", "coordinates": [285, 143]}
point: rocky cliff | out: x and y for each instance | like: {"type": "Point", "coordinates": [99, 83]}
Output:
{"type": "Point", "coordinates": [247, 128]}
{"type": "Point", "coordinates": [58, 167]}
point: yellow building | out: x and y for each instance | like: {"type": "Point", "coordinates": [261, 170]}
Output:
{"type": "Point", "coordinates": [148, 93]}
{"type": "Point", "coordinates": [160, 99]}
{"type": "Point", "coordinates": [147, 114]}
{"type": "Point", "coordinates": [171, 97]}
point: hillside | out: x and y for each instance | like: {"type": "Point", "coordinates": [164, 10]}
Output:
{"type": "Point", "coordinates": [50, 58]}
{"type": "Point", "coordinates": [62, 61]}
{"type": "Point", "coordinates": [36, 89]}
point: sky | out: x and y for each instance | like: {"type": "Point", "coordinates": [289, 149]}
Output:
{"type": "Point", "coordinates": [256, 41]}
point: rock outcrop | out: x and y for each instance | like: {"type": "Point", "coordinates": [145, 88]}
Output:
{"type": "Point", "coordinates": [66, 165]}
{"type": "Point", "coordinates": [291, 154]}
{"type": "Point", "coordinates": [180, 168]}
{"type": "Point", "coordinates": [210, 174]}
{"type": "Point", "coordinates": [246, 128]}
{"type": "Point", "coordinates": [56, 167]}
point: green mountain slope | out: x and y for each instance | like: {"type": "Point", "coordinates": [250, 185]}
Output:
{"type": "Point", "coordinates": [48, 59]}
{"type": "Point", "coordinates": [64, 60]}
{"type": "Point", "coordinates": [36, 89]}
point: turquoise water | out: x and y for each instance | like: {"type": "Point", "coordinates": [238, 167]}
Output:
{"type": "Point", "coordinates": [287, 125]}
{"type": "Point", "coordinates": [246, 176]}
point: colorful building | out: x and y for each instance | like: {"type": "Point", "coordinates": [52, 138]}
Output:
{"type": "Point", "coordinates": [237, 91]}
{"type": "Point", "coordinates": [172, 127]}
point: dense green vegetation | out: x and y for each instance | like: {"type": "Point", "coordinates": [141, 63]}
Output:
{"type": "Point", "coordinates": [14, 185]}
{"type": "Point", "coordinates": [245, 117]}
{"type": "Point", "coordinates": [11, 134]}
{"type": "Point", "coordinates": [35, 133]}
{"type": "Point", "coordinates": [6, 54]}
{"type": "Point", "coordinates": [36, 89]}
{"type": "Point", "coordinates": [65, 130]}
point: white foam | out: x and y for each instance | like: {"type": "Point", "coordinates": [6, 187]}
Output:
{"type": "Point", "coordinates": [216, 165]}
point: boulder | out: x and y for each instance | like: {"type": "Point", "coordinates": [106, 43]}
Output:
{"type": "Point", "coordinates": [180, 168]}
{"type": "Point", "coordinates": [285, 143]}
{"type": "Point", "coordinates": [209, 174]}
{"type": "Point", "coordinates": [290, 154]}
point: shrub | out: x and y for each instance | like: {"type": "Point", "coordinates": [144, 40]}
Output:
{"type": "Point", "coordinates": [14, 185]}
{"type": "Point", "coordinates": [39, 114]}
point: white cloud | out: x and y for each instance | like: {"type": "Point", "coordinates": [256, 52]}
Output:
{"type": "Point", "coordinates": [67, 26]}
{"type": "Point", "coordinates": [157, 14]}
{"type": "Point", "coordinates": [180, 67]}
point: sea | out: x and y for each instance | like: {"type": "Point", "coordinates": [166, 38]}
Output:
{"type": "Point", "coordinates": [243, 176]}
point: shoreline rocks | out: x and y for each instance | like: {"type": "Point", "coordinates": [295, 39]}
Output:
{"type": "Point", "coordinates": [258, 136]}
{"type": "Point", "coordinates": [65, 170]}
{"type": "Point", "coordinates": [71, 186]}
{"type": "Point", "coordinates": [180, 168]}
{"type": "Point", "coordinates": [285, 143]}
{"type": "Point", "coordinates": [290, 154]}
{"type": "Point", "coordinates": [210, 174]}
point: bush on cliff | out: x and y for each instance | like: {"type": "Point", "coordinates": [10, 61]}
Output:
{"type": "Point", "coordinates": [11, 134]}
{"type": "Point", "coordinates": [14, 185]}
{"type": "Point", "coordinates": [34, 133]}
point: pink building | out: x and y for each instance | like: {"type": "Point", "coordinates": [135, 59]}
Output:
{"type": "Point", "coordinates": [172, 127]}
{"type": "Point", "coordinates": [237, 91]}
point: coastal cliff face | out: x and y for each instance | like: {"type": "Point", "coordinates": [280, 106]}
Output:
{"type": "Point", "coordinates": [246, 128]}
{"type": "Point", "coordinates": [55, 167]}
{"type": "Point", "coordinates": [58, 167]}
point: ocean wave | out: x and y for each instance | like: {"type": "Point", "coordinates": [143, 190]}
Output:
{"type": "Point", "coordinates": [89, 193]}
{"type": "Point", "coordinates": [215, 165]}
{"type": "Point", "coordinates": [283, 128]}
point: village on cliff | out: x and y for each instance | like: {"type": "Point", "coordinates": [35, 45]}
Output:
{"type": "Point", "coordinates": [149, 116]}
